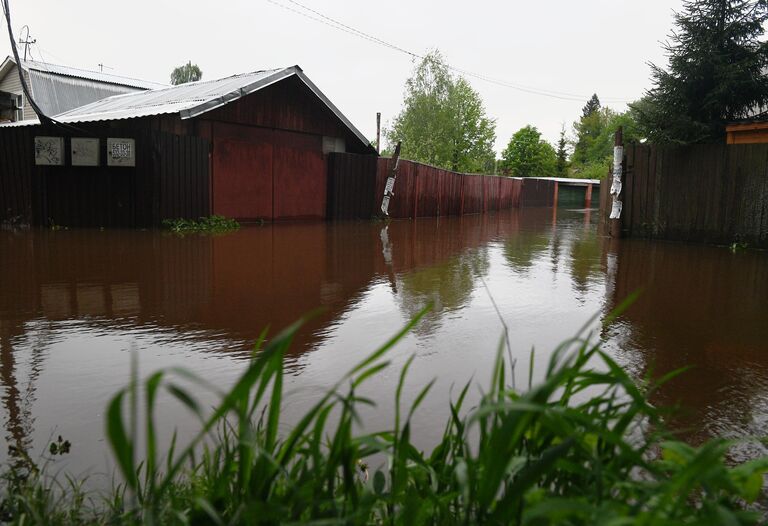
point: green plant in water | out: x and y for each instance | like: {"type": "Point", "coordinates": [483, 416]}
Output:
{"type": "Point", "coordinates": [737, 246]}
{"type": "Point", "coordinates": [584, 446]}
{"type": "Point", "coordinates": [214, 224]}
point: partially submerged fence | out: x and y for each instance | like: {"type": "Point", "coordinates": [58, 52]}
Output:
{"type": "Point", "coordinates": [170, 180]}
{"type": "Point", "coordinates": [714, 193]}
{"type": "Point", "coordinates": [356, 186]}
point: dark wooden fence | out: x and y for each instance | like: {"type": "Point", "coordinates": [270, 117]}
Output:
{"type": "Point", "coordinates": [714, 193]}
{"type": "Point", "coordinates": [16, 147]}
{"type": "Point", "coordinates": [170, 180]}
{"type": "Point", "coordinates": [351, 189]}
{"type": "Point", "coordinates": [181, 168]}
{"type": "Point", "coordinates": [356, 186]}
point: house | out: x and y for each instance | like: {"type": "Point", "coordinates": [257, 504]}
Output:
{"type": "Point", "coordinates": [251, 146]}
{"type": "Point", "coordinates": [57, 89]}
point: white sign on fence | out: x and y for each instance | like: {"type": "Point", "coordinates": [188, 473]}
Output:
{"type": "Point", "coordinates": [85, 151]}
{"type": "Point", "coordinates": [49, 151]}
{"type": "Point", "coordinates": [121, 152]}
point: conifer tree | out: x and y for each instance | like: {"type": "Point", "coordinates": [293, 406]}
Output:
{"type": "Point", "coordinates": [592, 105]}
{"type": "Point", "coordinates": [715, 73]}
{"type": "Point", "coordinates": [562, 155]}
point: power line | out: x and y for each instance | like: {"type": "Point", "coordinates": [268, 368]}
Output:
{"type": "Point", "coordinates": [335, 24]}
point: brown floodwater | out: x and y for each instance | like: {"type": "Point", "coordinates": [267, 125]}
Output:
{"type": "Point", "coordinates": [76, 305]}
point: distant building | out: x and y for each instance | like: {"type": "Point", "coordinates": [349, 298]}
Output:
{"type": "Point", "coordinates": [57, 89]}
{"type": "Point", "coordinates": [752, 131]}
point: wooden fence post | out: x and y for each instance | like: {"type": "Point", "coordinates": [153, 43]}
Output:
{"type": "Point", "coordinates": [614, 220]}
{"type": "Point", "coordinates": [390, 184]}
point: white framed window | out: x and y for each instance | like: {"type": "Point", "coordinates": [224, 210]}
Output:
{"type": "Point", "coordinates": [20, 107]}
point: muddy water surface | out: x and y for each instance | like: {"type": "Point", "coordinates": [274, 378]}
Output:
{"type": "Point", "coordinates": [76, 305]}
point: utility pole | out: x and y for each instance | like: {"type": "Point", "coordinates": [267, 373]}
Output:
{"type": "Point", "coordinates": [378, 132]}
{"type": "Point", "coordinates": [26, 41]}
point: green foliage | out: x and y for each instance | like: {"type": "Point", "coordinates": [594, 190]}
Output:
{"type": "Point", "coordinates": [528, 155]}
{"type": "Point", "coordinates": [186, 73]}
{"type": "Point", "coordinates": [562, 155]}
{"type": "Point", "coordinates": [443, 121]}
{"type": "Point", "coordinates": [592, 105]}
{"type": "Point", "coordinates": [716, 72]}
{"type": "Point", "coordinates": [593, 148]}
{"type": "Point", "coordinates": [582, 447]}
{"type": "Point", "coordinates": [205, 225]}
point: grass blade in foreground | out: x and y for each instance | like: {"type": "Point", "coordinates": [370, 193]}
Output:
{"type": "Point", "coordinates": [548, 455]}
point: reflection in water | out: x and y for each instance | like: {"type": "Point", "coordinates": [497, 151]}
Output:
{"type": "Point", "coordinates": [74, 304]}
{"type": "Point", "coordinates": [704, 308]}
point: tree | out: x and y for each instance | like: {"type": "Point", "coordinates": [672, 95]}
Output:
{"type": "Point", "coordinates": [562, 154]}
{"type": "Point", "coordinates": [528, 155]}
{"type": "Point", "coordinates": [593, 147]}
{"type": "Point", "coordinates": [186, 73]}
{"type": "Point", "coordinates": [715, 72]}
{"type": "Point", "coordinates": [443, 120]}
{"type": "Point", "coordinates": [592, 105]}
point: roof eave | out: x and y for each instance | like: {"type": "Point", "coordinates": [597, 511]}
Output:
{"type": "Point", "coordinates": [239, 93]}
{"type": "Point", "coordinates": [362, 138]}
{"type": "Point", "coordinates": [205, 107]}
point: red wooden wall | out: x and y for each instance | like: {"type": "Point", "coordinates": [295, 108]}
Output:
{"type": "Point", "coordinates": [265, 174]}
{"type": "Point", "coordinates": [420, 190]}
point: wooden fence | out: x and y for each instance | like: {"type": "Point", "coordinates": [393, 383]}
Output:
{"type": "Point", "coordinates": [713, 193]}
{"type": "Point", "coordinates": [170, 180]}
{"type": "Point", "coordinates": [356, 186]}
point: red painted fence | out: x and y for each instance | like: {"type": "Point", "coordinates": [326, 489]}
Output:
{"type": "Point", "coordinates": [424, 191]}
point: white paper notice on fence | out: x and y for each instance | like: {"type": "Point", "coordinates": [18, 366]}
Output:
{"type": "Point", "coordinates": [385, 205]}
{"type": "Point", "coordinates": [616, 186]}
{"type": "Point", "coordinates": [616, 209]}
{"type": "Point", "coordinates": [389, 186]}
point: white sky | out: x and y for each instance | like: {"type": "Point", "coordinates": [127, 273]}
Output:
{"type": "Point", "coordinates": [577, 47]}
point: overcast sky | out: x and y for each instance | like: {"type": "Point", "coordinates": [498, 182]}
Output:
{"type": "Point", "coordinates": [564, 46]}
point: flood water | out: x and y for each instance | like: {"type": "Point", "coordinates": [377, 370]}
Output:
{"type": "Point", "coordinates": [76, 305]}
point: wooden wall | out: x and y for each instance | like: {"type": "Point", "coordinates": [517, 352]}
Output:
{"type": "Point", "coordinates": [287, 105]}
{"type": "Point", "coordinates": [170, 180]}
{"type": "Point", "coordinates": [356, 186]}
{"type": "Point", "coordinates": [712, 193]}
{"type": "Point", "coordinates": [16, 181]}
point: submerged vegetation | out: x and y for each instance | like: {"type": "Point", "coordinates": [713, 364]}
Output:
{"type": "Point", "coordinates": [584, 446]}
{"type": "Point", "coordinates": [205, 225]}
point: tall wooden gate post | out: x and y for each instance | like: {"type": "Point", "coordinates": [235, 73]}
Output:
{"type": "Point", "coordinates": [614, 222]}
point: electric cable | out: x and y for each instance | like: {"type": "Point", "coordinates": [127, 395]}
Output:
{"type": "Point", "coordinates": [335, 24]}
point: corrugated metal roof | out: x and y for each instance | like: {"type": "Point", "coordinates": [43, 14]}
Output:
{"type": "Point", "coordinates": [192, 99]}
{"type": "Point", "coordinates": [188, 100]}
{"type": "Point", "coordinates": [57, 89]}
{"type": "Point", "coordinates": [56, 94]}
{"type": "Point", "coordinates": [98, 76]}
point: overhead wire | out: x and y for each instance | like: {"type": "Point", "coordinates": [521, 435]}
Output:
{"type": "Point", "coordinates": [317, 16]}
{"type": "Point", "coordinates": [41, 115]}
{"type": "Point", "coordinates": [44, 119]}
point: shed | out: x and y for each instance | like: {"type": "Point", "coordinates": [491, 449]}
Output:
{"type": "Point", "coordinates": [251, 146]}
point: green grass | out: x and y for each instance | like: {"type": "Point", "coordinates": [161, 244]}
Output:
{"type": "Point", "coordinates": [205, 225]}
{"type": "Point", "coordinates": [583, 446]}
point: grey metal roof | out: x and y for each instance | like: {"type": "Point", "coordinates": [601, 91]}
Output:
{"type": "Point", "coordinates": [192, 99]}
{"type": "Point", "coordinates": [97, 76]}
{"type": "Point", "coordinates": [58, 89]}
{"type": "Point", "coordinates": [57, 93]}
{"type": "Point", "coordinates": [188, 100]}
